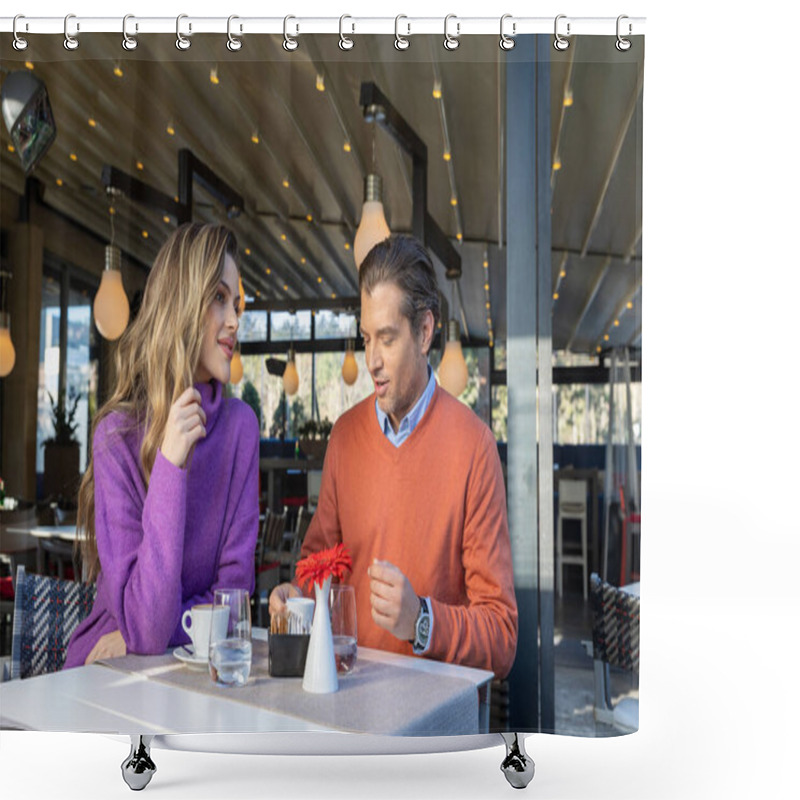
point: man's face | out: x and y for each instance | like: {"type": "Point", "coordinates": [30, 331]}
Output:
{"type": "Point", "coordinates": [396, 358]}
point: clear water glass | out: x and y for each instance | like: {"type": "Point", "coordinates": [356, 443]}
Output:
{"type": "Point", "coordinates": [230, 648]}
{"type": "Point", "coordinates": [344, 627]}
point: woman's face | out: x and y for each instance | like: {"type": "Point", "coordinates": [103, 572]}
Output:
{"type": "Point", "coordinates": [221, 325]}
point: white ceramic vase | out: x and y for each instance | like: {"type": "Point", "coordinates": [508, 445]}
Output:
{"type": "Point", "coordinates": [320, 674]}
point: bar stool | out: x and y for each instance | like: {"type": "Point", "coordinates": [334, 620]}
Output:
{"type": "Point", "coordinates": [571, 505]}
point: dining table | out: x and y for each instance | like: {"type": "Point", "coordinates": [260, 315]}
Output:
{"type": "Point", "coordinates": [385, 694]}
{"type": "Point", "coordinates": [31, 537]}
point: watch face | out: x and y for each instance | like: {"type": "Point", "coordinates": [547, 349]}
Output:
{"type": "Point", "coordinates": [424, 628]}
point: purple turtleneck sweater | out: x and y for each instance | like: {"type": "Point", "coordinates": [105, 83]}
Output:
{"type": "Point", "coordinates": [165, 547]}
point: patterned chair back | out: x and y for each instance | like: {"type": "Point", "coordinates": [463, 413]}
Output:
{"type": "Point", "coordinates": [46, 613]}
{"type": "Point", "coordinates": [615, 625]}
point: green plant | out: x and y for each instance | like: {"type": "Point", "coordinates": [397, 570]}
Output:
{"type": "Point", "coordinates": [63, 419]}
{"type": "Point", "coordinates": [251, 397]}
{"type": "Point", "coordinates": [315, 430]}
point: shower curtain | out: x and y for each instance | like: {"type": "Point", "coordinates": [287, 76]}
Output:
{"type": "Point", "coordinates": [520, 169]}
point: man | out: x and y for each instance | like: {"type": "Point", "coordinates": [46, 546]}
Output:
{"type": "Point", "coordinates": [412, 485]}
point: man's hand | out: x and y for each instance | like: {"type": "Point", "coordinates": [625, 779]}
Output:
{"type": "Point", "coordinates": [279, 596]}
{"type": "Point", "coordinates": [394, 602]}
{"type": "Point", "coordinates": [110, 645]}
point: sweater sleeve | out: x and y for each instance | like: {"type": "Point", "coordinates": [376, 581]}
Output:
{"type": "Point", "coordinates": [140, 545]}
{"type": "Point", "coordinates": [235, 564]}
{"type": "Point", "coordinates": [483, 633]}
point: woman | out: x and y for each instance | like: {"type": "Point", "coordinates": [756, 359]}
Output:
{"type": "Point", "coordinates": [168, 506]}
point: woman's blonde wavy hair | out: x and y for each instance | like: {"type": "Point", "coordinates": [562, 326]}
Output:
{"type": "Point", "coordinates": [157, 356]}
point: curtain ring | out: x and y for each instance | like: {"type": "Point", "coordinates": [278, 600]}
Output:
{"type": "Point", "coordinates": [19, 42]}
{"type": "Point", "coordinates": [182, 43]}
{"type": "Point", "coordinates": [128, 42]}
{"type": "Point", "coordinates": [289, 44]}
{"type": "Point", "coordinates": [507, 42]}
{"type": "Point", "coordinates": [560, 43]}
{"type": "Point", "coordinates": [344, 42]}
{"type": "Point", "coordinates": [234, 43]}
{"type": "Point", "coordinates": [623, 44]}
{"type": "Point", "coordinates": [70, 42]}
{"type": "Point", "coordinates": [451, 42]}
{"type": "Point", "coordinates": [400, 42]}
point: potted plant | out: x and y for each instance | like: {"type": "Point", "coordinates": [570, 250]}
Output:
{"type": "Point", "coordinates": [62, 450]}
{"type": "Point", "coordinates": [313, 437]}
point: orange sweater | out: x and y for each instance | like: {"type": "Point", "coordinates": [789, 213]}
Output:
{"type": "Point", "coordinates": [434, 507]}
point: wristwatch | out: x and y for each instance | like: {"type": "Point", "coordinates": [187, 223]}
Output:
{"type": "Point", "coordinates": [422, 627]}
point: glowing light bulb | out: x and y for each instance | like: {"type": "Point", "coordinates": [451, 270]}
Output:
{"type": "Point", "coordinates": [237, 369]}
{"type": "Point", "coordinates": [291, 380]}
{"type": "Point", "coordinates": [372, 228]}
{"type": "Point", "coordinates": [111, 308]}
{"type": "Point", "coordinates": [8, 355]}
{"type": "Point", "coordinates": [453, 374]}
{"type": "Point", "coordinates": [349, 366]}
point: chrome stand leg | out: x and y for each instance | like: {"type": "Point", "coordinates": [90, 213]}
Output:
{"type": "Point", "coordinates": [518, 766]}
{"type": "Point", "coordinates": [138, 768]}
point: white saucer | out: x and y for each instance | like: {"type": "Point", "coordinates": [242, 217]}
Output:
{"type": "Point", "coordinates": [188, 657]}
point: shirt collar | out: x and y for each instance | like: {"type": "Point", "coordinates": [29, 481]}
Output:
{"type": "Point", "coordinates": [410, 420]}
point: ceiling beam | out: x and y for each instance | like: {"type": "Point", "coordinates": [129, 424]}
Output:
{"type": "Point", "coordinates": [589, 300]}
{"type": "Point", "coordinates": [612, 165]}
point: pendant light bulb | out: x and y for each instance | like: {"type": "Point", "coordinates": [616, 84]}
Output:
{"type": "Point", "coordinates": [453, 373]}
{"type": "Point", "coordinates": [372, 228]}
{"type": "Point", "coordinates": [8, 355]}
{"type": "Point", "coordinates": [111, 308]}
{"type": "Point", "coordinates": [349, 366]}
{"type": "Point", "coordinates": [291, 380]}
{"type": "Point", "coordinates": [237, 369]}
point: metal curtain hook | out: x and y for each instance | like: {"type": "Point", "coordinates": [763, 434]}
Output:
{"type": "Point", "coordinates": [507, 42]}
{"type": "Point", "coordinates": [234, 43]}
{"type": "Point", "coordinates": [70, 42]}
{"type": "Point", "coordinates": [623, 44]}
{"type": "Point", "coordinates": [451, 42]}
{"type": "Point", "coordinates": [344, 42]}
{"type": "Point", "coordinates": [182, 43]}
{"type": "Point", "coordinates": [19, 42]}
{"type": "Point", "coordinates": [400, 42]}
{"type": "Point", "coordinates": [560, 42]}
{"type": "Point", "coordinates": [289, 44]}
{"type": "Point", "coordinates": [128, 42]}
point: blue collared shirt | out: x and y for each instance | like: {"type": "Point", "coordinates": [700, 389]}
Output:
{"type": "Point", "coordinates": [410, 420]}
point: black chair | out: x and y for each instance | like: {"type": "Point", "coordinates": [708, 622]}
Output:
{"type": "Point", "coordinates": [615, 643]}
{"type": "Point", "coordinates": [46, 612]}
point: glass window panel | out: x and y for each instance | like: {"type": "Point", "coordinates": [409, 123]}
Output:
{"type": "Point", "coordinates": [334, 397]}
{"type": "Point", "coordinates": [49, 336]}
{"type": "Point", "coordinates": [334, 325]}
{"type": "Point", "coordinates": [286, 326]}
{"type": "Point", "coordinates": [500, 413]}
{"type": "Point", "coordinates": [253, 326]}
{"type": "Point", "coordinates": [81, 369]}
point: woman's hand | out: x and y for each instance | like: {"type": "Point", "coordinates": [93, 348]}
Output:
{"type": "Point", "coordinates": [185, 425]}
{"type": "Point", "coordinates": [280, 594]}
{"type": "Point", "coordinates": [110, 645]}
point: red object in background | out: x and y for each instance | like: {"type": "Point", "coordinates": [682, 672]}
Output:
{"type": "Point", "coordinates": [634, 520]}
{"type": "Point", "coordinates": [6, 588]}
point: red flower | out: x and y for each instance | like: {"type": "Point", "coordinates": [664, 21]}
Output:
{"type": "Point", "coordinates": [317, 567]}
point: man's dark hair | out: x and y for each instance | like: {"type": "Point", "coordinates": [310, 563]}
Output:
{"type": "Point", "coordinates": [403, 261]}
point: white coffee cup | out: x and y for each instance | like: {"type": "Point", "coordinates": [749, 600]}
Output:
{"type": "Point", "coordinates": [197, 622]}
{"type": "Point", "coordinates": [301, 614]}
